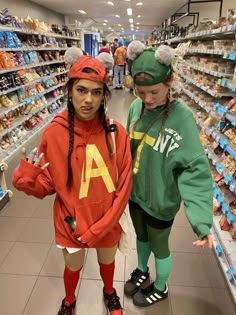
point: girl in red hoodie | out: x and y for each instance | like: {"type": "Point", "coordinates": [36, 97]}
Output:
{"type": "Point", "coordinates": [85, 160]}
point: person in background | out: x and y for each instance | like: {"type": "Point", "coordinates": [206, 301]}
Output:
{"type": "Point", "coordinates": [119, 68]}
{"type": "Point", "coordinates": [114, 46]}
{"type": "Point", "coordinates": [84, 52]}
{"type": "Point", "coordinates": [169, 167]}
{"type": "Point", "coordinates": [104, 48]}
{"type": "Point", "coordinates": [89, 170]}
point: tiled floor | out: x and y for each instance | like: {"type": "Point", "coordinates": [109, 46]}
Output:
{"type": "Point", "coordinates": [31, 267]}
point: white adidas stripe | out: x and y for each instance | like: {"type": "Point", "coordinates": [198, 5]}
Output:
{"type": "Point", "coordinates": [140, 281]}
{"type": "Point", "coordinates": [166, 290]}
{"type": "Point", "coordinates": [151, 299]}
{"type": "Point", "coordinates": [156, 296]}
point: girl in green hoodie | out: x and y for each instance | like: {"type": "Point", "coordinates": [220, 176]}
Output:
{"type": "Point", "coordinates": [169, 166]}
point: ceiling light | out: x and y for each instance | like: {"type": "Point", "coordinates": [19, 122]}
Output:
{"type": "Point", "coordinates": [131, 25]}
{"type": "Point", "coordinates": [131, 20]}
{"type": "Point", "coordinates": [117, 15]}
{"type": "Point", "coordinates": [139, 16]}
{"type": "Point", "coordinates": [129, 11]}
{"type": "Point", "coordinates": [110, 3]}
{"type": "Point", "coordinates": [109, 28]}
{"type": "Point", "coordinates": [119, 25]}
{"type": "Point", "coordinates": [139, 3]}
{"type": "Point", "coordinates": [82, 11]}
{"type": "Point", "coordinates": [105, 21]}
{"type": "Point", "coordinates": [138, 23]}
{"type": "Point", "coordinates": [104, 24]}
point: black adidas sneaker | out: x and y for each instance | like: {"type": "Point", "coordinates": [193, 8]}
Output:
{"type": "Point", "coordinates": [149, 296]}
{"type": "Point", "coordinates": [137, 279]}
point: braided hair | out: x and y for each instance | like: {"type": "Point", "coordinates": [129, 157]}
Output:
{"type": "Point", "coordinates": [102, 119]}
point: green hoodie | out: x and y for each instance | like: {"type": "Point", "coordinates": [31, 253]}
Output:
{"type": "Point", "coordinates": [171, 168]}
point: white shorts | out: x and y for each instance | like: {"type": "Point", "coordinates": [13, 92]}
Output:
{"type": "Point", "coordinates": [70, 250]}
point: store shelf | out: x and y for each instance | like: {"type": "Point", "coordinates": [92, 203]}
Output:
{"type": "Point", "coordinates": [33, 65]}
{"type": "Point", "coordinates": [211, 72]}
{"type": "Point", "coordinates": [207, 34]}
{"type": "Point", "coordinates": [228, 84]}
{"type": "Point", "coordinates": [4, 200]}
{"type": "Point", "coordinates": [4, 28]}
{"type": "Point", "coordinates": [224, 245]}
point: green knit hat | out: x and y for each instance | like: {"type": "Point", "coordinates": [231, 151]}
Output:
{"type": "Point", "coordinates": [150, 66]}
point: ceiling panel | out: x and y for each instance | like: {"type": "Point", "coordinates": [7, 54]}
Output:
{"type": "Point", "coordinates": [152, 13]}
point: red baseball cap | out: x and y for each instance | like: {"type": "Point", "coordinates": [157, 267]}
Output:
{"type": "Point", "coordinates": [76, 71]}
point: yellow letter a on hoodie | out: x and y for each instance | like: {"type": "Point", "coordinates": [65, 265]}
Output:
{"type": "Point", "coordinates": [92, 154]}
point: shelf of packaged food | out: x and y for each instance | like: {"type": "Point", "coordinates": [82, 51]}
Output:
{"type": "Point", "coordinates": [222, 141]}
{"type": "Point", "coordinates": [217, 108]}
{"type": "Point", "coordinates": [230, 84]}
{"type": "Point", "coordinates": [230, 56]}
{"type": "Point", "coordinates": [225, 251]}
{"type": "Point", "coordinates": [208, 71]}
{"type": "Point", "coordinates": [214, 34]}
{"type": "Point", "coordinates": [219, 138]}
{"type": "Point", "coordinates": [205, 51]}
{"type": "Point", "coordinates": [209, 91]}
{"type": "Point", "coordinates": [15, 147]}
{"type": "Point", "coordinates": [25, 118]}
{"type": "Point", "coordinates": [196, 100]}
{"type": "Point", "coordinates": [6, 28]}
{"type": "Point", "coordinates": [231, 118]}
{"type": "Point", "coordinates": [33, 65]}
{"type": "Point", "coordinates": [221, 239]}
{"type": "Point", "coordinates": [220, 52]}
{"type": "Point", "coordinates": [228, 179]}
{"type": "Point", "coordinates": [224, 199]}
{"type": "Point", "coordinates": [33, 48]}
{"type": "Point", "coordinates": [28, 84]}
{"type": "Point", "coordinates": [215, 160]}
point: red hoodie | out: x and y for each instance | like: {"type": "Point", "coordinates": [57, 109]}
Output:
{"type": "Point", "coordinates": [95, 200]}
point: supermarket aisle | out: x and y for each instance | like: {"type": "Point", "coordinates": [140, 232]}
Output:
{"type": "Point", "coordinates": [31, 267]}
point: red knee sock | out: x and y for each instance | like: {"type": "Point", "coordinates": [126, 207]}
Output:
{"type": "Point", "coordinates": [71, 279]}
{"type": "Point", "coordinates": [107, 275]}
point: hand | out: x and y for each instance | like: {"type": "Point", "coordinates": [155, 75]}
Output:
{"type": "Point", "coordinates": [205, 240]}
{"type": "Point", "coordinates": [33, 159]}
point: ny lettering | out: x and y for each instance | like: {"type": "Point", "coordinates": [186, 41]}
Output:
{"type": "Point", "coordinates": [162, 143]}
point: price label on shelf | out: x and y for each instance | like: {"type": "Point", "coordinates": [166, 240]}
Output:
{"type": "Point", "coordinates": [220, 168]}
{"type": "Point", "coordinates": [217, 138]}
{"type": "Point", "coordinates": [228, 179]}
{"type": "Point", "coordinates": [232, 187]}
{"type": "Point", "coordinates": [230, 218]}
{"type": "Point", "coordinates": [216, 192]}
{"type": "Point", "coordinates": [221, 199]}
{"type": "Point", "coordinates": [225, 208]}
{"type": "Point", "coordinates": [223, 143]}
